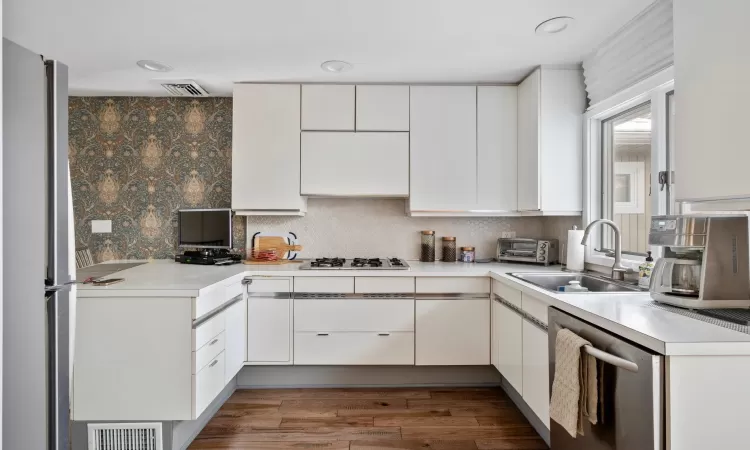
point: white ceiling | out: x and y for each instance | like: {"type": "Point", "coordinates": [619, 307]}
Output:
{"type": "Point", "coordinates": [218, 42]}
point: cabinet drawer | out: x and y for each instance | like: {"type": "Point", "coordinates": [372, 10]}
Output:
{"type": "Point", "coordinates": [535, 307]}
{"type": "Point", "coordinates": [209, 300]}
{"type": "Point", "coordinates": [507, 293]}
{"type": "Point", "coordinates": [204, 355]}
{"type": "Point", "coordinates": [341, 285]}
{"type": "Point", "coordinates": [270, 285]}
{"type": "Point", "coordinates": [208, 330]}
{"type": "Point", "coordinates": [353, 315]}
{"type": "Point", "coordinates": [448, 285]}
{"type": "Point", "coordinates": [380, 285]}
{"type": "Point", "coordinates": [360, 348]}
{"type": "Point", "coordinates": [207, 384]}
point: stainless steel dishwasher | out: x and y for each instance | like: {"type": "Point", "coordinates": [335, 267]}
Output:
{"type": "Point", "coordinates": [632, 398]}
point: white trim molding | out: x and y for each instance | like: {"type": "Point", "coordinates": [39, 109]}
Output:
{"type": "Point", "coordinates": [654, 90]}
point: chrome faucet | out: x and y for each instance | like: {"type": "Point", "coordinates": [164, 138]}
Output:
{"type": "Point", "coordinates": [618, 270]}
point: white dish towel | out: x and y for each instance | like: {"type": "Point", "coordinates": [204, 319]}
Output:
{"type": "Point", "coordinates": [575, 386]}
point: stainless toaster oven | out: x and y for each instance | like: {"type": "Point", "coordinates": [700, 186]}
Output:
{"type": "Point", "coordinates": [540, 251]}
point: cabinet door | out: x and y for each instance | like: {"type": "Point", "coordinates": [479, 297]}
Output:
{"type": "Point", "coordinates": [497, 147]}
{"type": "Point", "coordinates": [452, 332]}
{"type": "Point", "coordinates": [355, 164]}
{"type": "Point", "coordinates": [382, 108]}
{"type": "Point", "coordinates": [328, 107]}
{"type": "Point", "coordinates": [536, 370]}
{"type": "Point", "coordinates": [508, 340]}
{"type": "Point", "coordinates": [266, 147]}
{"type": "Point", "coordinates": [235, 339]}
{"type": "Point", "coordinates": [562, 104]}
{"type": "Point", "coordinates": [269, 329]}
{"type": "Point", "coordinates": [443, 152]}
{"type": "Point", "coordinates": [528, 143]}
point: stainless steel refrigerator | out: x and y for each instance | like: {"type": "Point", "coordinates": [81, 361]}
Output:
{"type": "Point", "coordinates": [36, 252]}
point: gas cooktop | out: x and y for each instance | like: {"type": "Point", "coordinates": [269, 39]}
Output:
{"type": "Point", "coordinates": [355, 264]}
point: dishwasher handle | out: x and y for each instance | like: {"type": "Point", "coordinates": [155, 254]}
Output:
{"type": "Point", "coordinates": [611, 359]}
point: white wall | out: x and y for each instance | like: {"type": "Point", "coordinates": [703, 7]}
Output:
{"type": "Point", "coordinates": [380, 227]}
{"type": "Point", "coordinates": [712, 63]}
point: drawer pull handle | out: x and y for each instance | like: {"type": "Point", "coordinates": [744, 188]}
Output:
{"type": "Point", "coordinates": [213, 342]}
{"type": "Point", "coordinates": [322, 334]}
{"type": "Point", "coordinates": [216, 361]}
{"type": "Point", "coordinates": [384, 334]}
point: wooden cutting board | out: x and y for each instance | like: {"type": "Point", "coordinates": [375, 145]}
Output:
{"type": "Point", "coordinates": [262, 243]}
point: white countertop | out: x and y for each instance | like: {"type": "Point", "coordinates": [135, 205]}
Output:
{"type": "Point", "coordinates": [626, 314]}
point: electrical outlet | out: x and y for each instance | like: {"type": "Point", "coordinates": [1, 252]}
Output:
{"type": "Point", "coordinates": [101, 226]}
{"type": "Point", "coordinates": [508, 234]}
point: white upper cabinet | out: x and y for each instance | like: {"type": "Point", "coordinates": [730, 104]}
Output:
{"type": "Point", "coordinates": [443, 150]}
{"type": "Point", "coordinates": [355, 164]}
{"type": "Point", "coordinates": [497, 148]}
{"type": "Point", "coordinates": [328, 107]}
{"type": "Point", "coordinates": [266, 149]}
{"type": "Point", "coordinates": [528, 143]}
{"type": "Point", "coordinates": [550, 107]}
{"type": "Point", "coordinates": [711, 64]}
{"type": "Point", "coordinates": [382, 108]}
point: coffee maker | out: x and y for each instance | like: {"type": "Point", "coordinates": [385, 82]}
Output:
{"type": "Point", "coordinates": [704, 263]}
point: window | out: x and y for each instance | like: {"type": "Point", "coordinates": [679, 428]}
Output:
{"type": "Point", "coordinates": [629, 138]}
{"type": "Point", "coordinates": [626, 158]}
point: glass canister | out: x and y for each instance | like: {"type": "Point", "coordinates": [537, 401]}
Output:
{"type": "Point", "coordinates": [467, 254]}
{"type": "Point", "coordinates": [449, 249]}
{"type": "Point", "coordinates": [427, 253]}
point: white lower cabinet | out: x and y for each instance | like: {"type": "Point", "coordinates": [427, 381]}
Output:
{"type": "Point", "coordinates": [235, 339]}
{"type": "Point", "coordinates": [350, 331]}
{"type": "Point", "coordinates": [536, 370]}
{"type": "Point", "coordinates": [269, 330]}
{"type": "Point", "coordinates": [208, 383]}
{"type": "Point", "coordinates": [452, 332]}
{"type": "Point", "coordinates": [507, 339]}
{"type": "Point", "coordinates": [354, 348]}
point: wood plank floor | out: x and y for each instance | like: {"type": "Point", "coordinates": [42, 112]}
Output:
{"type": "Point", "coordinates": [369, 419]}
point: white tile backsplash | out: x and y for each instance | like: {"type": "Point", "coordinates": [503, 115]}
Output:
{"type": "Point", "coordinates": [380, 227]}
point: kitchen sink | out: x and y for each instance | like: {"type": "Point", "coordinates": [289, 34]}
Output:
{"type": "Point", "coordinates": [551, 281]}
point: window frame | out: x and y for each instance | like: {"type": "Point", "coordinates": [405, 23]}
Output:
{"type": "Point", "coordinates": [654, 90]}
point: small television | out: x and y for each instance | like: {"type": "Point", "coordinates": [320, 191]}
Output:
{"type": "Point", "coordinates": [204, 228]}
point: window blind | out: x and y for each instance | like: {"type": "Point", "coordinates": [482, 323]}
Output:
{"type": "Point", "coordinates": [640, 49]}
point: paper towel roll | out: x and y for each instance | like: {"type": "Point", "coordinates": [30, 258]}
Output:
{"type": "Point", "coordinates": [575, 250]}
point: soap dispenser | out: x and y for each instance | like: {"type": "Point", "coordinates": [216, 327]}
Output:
{"type": "Point", "coordinates": [644, 272]}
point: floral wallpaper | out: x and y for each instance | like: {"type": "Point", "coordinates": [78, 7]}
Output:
{"type": "Point", "coordinates": [136, 160]}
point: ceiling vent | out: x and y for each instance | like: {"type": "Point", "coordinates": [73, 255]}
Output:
{"type": "Point", "coordinates": [185, 88]}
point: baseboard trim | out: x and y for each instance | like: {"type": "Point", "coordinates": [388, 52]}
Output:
{"type": "Point", "coordinates": [517, 399]}
{"type": "Point", "coordinates": [268, 377]}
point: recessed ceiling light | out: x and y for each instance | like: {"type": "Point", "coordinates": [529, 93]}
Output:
{"type": "Point", "coordinates": [335, 66]}
{"type": "Point", "coordinates": [154, 66]}
{"type": "Point", "coordinates": [554, 25]}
